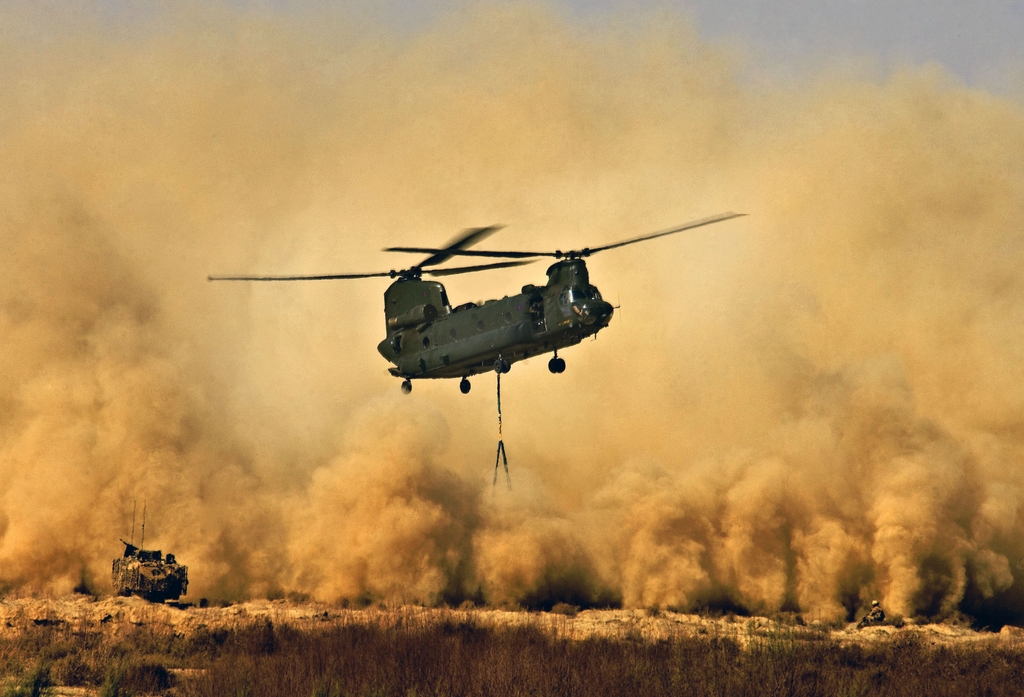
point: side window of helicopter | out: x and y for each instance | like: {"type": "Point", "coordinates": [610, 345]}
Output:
{"type": "Point", "coordinates": [563, 299]}
{"type": "Point", "coordinates": [396, 344]}
{"type": "Point", "coordinates": [426, 342]}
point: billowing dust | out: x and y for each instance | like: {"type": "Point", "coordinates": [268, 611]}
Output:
{"type": "Point", "coordinates": [805, 409]}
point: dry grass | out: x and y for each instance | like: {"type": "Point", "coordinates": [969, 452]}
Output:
{"type": "Point", "coordinates": [465, 658]}
{"type": "Point", "coordinates": [416, 652]}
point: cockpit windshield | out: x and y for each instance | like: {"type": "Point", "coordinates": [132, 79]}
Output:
{"type": "Point", "coordinates": [577, 294]}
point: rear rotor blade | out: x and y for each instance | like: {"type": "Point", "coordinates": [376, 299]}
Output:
{"type": "Point", "coordinates": [471, 269]}
{"type": "Point", "coordinates": [467, 239]}
{"type": "Point", "coordinates": [472, 252]}
{"type": "Point", "coordinates": [322, 277]}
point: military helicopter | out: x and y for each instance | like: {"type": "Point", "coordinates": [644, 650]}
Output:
{"type": "Point", "coordinates": [428, 338]}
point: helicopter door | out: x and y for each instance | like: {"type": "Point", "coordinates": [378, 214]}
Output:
{"type": "Point", "coordinates": [539, 324]}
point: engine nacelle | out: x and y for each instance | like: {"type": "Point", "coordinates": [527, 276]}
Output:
{"type": "Point", "coordinates": [421, 314]}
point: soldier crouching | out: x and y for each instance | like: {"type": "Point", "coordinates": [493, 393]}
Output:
{"type": "Point", "coordinates": [874, 616]}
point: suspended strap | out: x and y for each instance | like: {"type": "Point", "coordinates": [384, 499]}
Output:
{"type": "Point", "coordinates": [500, 455]}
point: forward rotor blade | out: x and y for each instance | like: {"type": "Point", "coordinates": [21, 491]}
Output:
{"type": "Point", "coordinates": [558, 254]}
{"type": "Point", "coordinates": [323, 277]}
{"type": "Point", "coordinates": [471, 269]}
{"type": "Point", "coordinates": [467, 239]}
{"type": "Point", "coordinates": [681, 228]}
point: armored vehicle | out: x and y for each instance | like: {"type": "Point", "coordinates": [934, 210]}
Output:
{"type": "Point", "coordinates": [149, 574]}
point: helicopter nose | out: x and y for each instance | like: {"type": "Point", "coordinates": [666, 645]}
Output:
{"type": "Point", "coordinates": [594, 311]}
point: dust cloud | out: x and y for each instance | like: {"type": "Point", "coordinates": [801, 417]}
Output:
{"type": "Point", "coordinates": [805, 409]}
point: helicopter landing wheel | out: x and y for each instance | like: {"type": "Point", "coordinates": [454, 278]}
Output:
{"type": "Point", "coordinates": [464, 386]}
{"type": "Point", "coordinates": [406, 386]}
{"type": "Point", "coordinates": [556, 365]}
{"type": "Point", "coordinates": [502, 366]}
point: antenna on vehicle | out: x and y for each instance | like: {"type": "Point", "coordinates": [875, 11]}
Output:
{"type": "Point", "coordinates": [501, 444]}
{"type": "Point", "coordinates": [142, 544]}
{"type": "Point", "coordinates": [135, 505]}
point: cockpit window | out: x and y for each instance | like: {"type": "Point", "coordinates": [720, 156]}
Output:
{"type": "Point", "coordinates": [577, 294]}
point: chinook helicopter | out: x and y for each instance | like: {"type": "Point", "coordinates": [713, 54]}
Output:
{"type": "Point", "coordinates": [429, 338]}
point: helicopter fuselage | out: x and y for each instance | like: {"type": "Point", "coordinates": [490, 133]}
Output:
{"type": "Point", "coordinates": [427, 338]}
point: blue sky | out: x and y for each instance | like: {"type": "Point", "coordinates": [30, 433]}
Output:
{"type": "Point", "coordinates": [979, 41]}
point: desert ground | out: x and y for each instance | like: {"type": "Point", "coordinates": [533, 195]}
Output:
{"type": "Point", "coordinates": [113, 615]}
{"type": "Point", "coordinates": [83, 645]}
